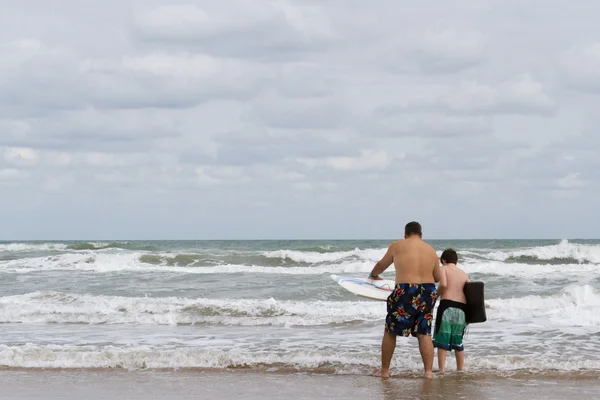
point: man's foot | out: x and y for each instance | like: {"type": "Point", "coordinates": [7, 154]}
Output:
{"type": "Point", "coordinates": [429, 375]}
{"type": "Point", "coordinates": [381, 373]}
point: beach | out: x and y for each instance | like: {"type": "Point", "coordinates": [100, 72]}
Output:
{"type": "Point", "coordinates": [150, 385]}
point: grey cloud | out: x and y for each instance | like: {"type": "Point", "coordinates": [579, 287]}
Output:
{"type": "Point", "coordinates": [91, 129]}
{"type": "Point", "coordinates": [404, 38]}
{"type": "Point", "coordinates": [446, 51]}
{"type": "Point", "coordinates": [312, 29]}
{"type": "Point", "coordinates": [562, 160]}
{"type": "Point", "coordinates": [318, 80]}
{"type": "Point", "coordinates": [472, 159]}
{"type": "Point", "coordinates": [581, 67]}
{"type": "Point", "coordinates": [575, 152]}
{"type": "Point", "coordinates": [424, 124]}
{"type": "Point", "coordinates": [520, 95]}
{"type": "Point", "coordinates": [38, 79]}
{"type": "Point", "coordinates": [241, 29]}
{"type": "Point", "coordinates": [254, 145]}
{"type": "Point", "coordinates": [309, 113]}
{"type": "Point", "coordinates": [171, 80]}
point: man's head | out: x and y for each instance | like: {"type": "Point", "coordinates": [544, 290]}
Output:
{"type": "Point", "coordinates": [413, 229]}
{"type": "Point", "coordinates": [449, 256]}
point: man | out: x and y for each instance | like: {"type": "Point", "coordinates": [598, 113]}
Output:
{"type": "Point", "coordinates": [410, 305]}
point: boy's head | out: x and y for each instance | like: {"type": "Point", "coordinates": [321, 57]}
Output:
{"type": "Point", "coordinates": [449, 256]}
{"type": "Point", "coordinates": [413, 228]}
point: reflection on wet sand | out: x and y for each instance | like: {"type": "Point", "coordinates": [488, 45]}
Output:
{"type": "Point", "coordinates": [35, 384]}
{"type": "Point", "coordinates": [448, 387]}
{"type": "Point", "coordinates": [465, 386]}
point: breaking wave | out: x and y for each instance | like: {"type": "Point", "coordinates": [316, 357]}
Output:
{"type": "Point", "coordinates": [573, 306]}
{"type": "Point", "coordinates": [202, 264]}
{"type": "Point", "coordinates": [327, 360]}
{"type": "Point", "coordinates": [55, 307]}
{"type": "Point", "coordinates": [562, 253]}
{"type": "Point", "coordinates": [313, 257]}
{"type": "Point", "coordinates": [577, 305]}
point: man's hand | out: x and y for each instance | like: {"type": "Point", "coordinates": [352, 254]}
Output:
{"type": "Point", "coordinates": [375, 278]}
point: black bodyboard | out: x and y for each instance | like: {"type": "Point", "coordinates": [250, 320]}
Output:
{"type": "Point", "coordinates": [475, 310]}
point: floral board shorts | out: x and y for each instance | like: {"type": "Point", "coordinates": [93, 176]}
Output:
{"type": "Point", "coordinates": [410, 309]}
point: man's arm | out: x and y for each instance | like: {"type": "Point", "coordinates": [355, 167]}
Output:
{"type": "Point", "coordinates": [439, 275]}
{"type": "Point", "coordinates": [437, 270]}
{"type": "Point", "coordinates": [382, 264]}
{"type": "Point", "coordinates": [443, 279]}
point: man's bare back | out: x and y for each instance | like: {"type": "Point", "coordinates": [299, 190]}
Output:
{"type": "Point", "coordinates": [414, 260]}
{"type": "Point", "coordinates": [454, 283]}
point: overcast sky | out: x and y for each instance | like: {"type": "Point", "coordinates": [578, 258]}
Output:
{"type": "Point", "coordinates": [235, 119]}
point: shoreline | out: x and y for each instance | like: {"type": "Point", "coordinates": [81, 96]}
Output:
{"type": "Point", "coordinates": [29, 384]}
{"type": "Point", "coordinates": [554, 375]}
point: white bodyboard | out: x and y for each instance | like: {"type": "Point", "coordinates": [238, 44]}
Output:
{"type": "Point", "coordinates": [367, 288]}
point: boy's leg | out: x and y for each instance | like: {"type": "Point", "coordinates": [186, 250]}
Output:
{"type": "Point", "coordinates": [442, 360]}
{"type": "Point", "coordinates": [460, 360]}
{"type": "Point", "coordinates": [459, 333]}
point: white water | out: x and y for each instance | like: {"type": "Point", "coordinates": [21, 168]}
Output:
{"type": "Point", "coordinates": [580, 305]}
{"type": "Point", "coordinates": [57, 311]}
{"type": "Point", "coordinates": [31, 247]}
{"type": "Point", "coordinates": [32, 356]}
{"type": "Point", "coordinates": [564, 250]}
{"type": "Point", "coordinates": [123, 262]}
{"type": "Point", "coordinates": [51, 307]}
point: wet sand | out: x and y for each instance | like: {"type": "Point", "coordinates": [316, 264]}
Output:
{"type": "Point", "coordinates": [149, 385]}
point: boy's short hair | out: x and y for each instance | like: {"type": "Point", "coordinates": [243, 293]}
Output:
{"type": "Point", "coordinates": [450, 256]}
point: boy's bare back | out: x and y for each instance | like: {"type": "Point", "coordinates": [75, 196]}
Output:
{"type": "Point", "coordinates": [455, 282]}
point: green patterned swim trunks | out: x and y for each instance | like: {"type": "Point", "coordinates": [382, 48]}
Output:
{"type": "Point", "coordinates": [450, 326]}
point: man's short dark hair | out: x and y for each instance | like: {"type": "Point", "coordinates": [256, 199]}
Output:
{"type": "Point", "coordinates": [450, 256]}
{"type": "Point", "coordinates": [413, 228]}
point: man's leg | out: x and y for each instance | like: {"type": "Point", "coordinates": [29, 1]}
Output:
{"type": "Point", "coordinates": [442, 359]}
{"type": "Point", "coordinates": [426, 350]}
{"type": "Point", "coordinates": [388, 345]}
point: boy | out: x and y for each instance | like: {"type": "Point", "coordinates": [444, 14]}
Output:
{"type": "Point", "coordinates": [450, 322]}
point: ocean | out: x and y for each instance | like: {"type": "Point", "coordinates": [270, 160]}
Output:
{"type": "Point", "coordinates": [271, 306]}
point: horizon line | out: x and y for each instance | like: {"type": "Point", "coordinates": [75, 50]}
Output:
{"type": "Point", "coordinates": [288, 239]}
